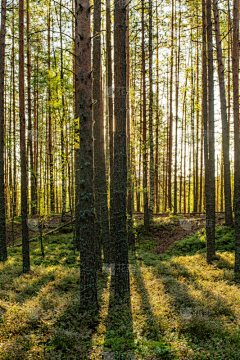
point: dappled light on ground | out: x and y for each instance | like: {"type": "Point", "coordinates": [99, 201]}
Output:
{"type": "Point", "coordinates": [179, 307]}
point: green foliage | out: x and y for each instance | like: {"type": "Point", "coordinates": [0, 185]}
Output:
{"type": "Point", "coordinates": [196, 243]}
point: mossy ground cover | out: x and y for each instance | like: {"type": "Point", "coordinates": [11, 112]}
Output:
{"type": "Point", "coordinates": [179, 307]}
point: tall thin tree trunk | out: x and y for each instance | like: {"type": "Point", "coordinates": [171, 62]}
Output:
{"type": "Point", "coordinates": [85, 207]}
{"type": "Point", "coordinates": [183, 145]}
{"type": "Point", "coordinates": [3, 240]}
{"type": "Point", "coordinates": [210, 200]}
{"type": "Point", "coordinates": [201, 171]}
{"type": "Point", "coordinates": [196, 203]}
{"type": "Point", "coordinates": [140, 151]}
{"type": "Point", "coordinates": [30, 132]}
{"type": "Point", "coordinates": [151, 167]}
{"type": "Point", "coordinates": [176, 99]}
{"type": "Point", "coordinates": [122, 286]}
{"type": "Point", "coordinates": [145, 188]}
{"type": "Point", "coordinates": [25, 238]}
{"type": "Point", "coordinates": [225, 128]}
{"type": "Point", "coordinates": [167, 148]}
{"type": "Point", "coordinates": [14, 119]}
{"type": "Point", "coordinates": [110, 120]}
{"type": "Point", "coordinates": [171, 118]}
{"type": "Point", "coordinates": [157, 122]}
{"type": "Point", "coordinates": [235, 68]}
{"type": "Point", "coordinates": [184, 160]}
{"type": "Point", "coordinates": [129, 149]}
{"type": "Point", "coordinates": [50, 150]}
{"type": "Point", "coordinates": [62, 124]}
{"type": "Point", "coordinates": [97, 115]}
{"type": "Point", "coordinates": [192, 124]}
{"type": "Point", "coordinates": [103, 189]}
{"type": "Point", "coordinates": [189, 174]}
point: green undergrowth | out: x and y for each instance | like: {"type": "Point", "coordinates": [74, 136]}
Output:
{"type": "Point", "coordinates": [58, 250]}
{"type": "Point", "coordinates": [179, 306]}
{"type": "Point", "coordinates": [190, 245]}
{"type": "Point", "coordinates": [196, 243]}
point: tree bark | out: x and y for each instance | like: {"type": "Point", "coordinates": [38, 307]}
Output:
{"type": "Point", "coordinates": [210, 200]}
{"type": "Point", "coordinates": [97, 115]}
{"type": "Point", "coordinates": [85, 211]}
{"type": "Point", "coordinates": [110, 121]}
{"type": "Point", "coordinates": [157, 123]}
{"type": "Point", "coordinates": [235, 68]}
{"type": "Point", "coordinates": [122, 286]}
{"type": "Point", "coordinates": [50, 151]}
{"type": "Point", "coordinates": [62, 124]}
{"type": "Point", "coordinates": [225, 130]}
{"type": "Point", "coordinates": [196, 203]}
{"type": "Point", "coordinates": [3, 240]}
{"type": "Point", "coordinates": [129, 148]}
{"type": "Point", "coordinates": [145, 187]}
{"type": "Point", "coordinates": [25, 238]}
{"type": "Point", "coordinates": [176, 101]}
{"type": "Point", "coordinates": [171, 117]}
{"type": "Point", "coordinates": [30, 132]}
{"type": "Point", "coordinates": [151, 167]}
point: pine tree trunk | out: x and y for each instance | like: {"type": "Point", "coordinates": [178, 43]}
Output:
{"type": "Point", "coordinates": [182, 145]}
{"type": "Point", "coordinates": [157, 123]}
{"type": "Point", "coordinates": [3, 240]}
{"type": "Point", "coordinates": [25, 238]}
{"type": "Point", "coordinates": [205, 99]}
{"type": "Point", "coordinates": [10, 150]}
{"type": "Point", "coordinates": [171, 118]}
{"type": "Point", "coordinates": [167, 148]}
{"type": "Point", "coordinates": [30, 132]}
{"type": "Point", "coordinates": [50, 151]}
{"type": "Point", "coordinates": [62, 125]}
{"type": "Point", "coordinates": [36, 135]}
{"type": "Point", "coordinates": [176, 102]}
{"type": "Point", "coordinates": [129, 148]}
{"type": "Point", "coordinates": [210, 200]}
{"type": "Point", "coordinates": [97, 115]}
{"type": "Point", "coordinates": [151, 168]}
{"type": "Point", "coordinates": [103, 190]}
{"type": "Point", "coordinates": [184, 162]}
{"type": "Point", "coordinates": [235, 68]}
{"type": "Point", "coordinates": [85, 212]}
{"type": "Point", "coordinates": [189, 174]}
{"type": "Point", "coordinates": [110, 121]}
{"type": "Point", "coordinates": [192, 126]}
{"type": "Point", "coordinates": [140, 150]}
{"type": "Point", "coordinates": [225, 130]}
{"type": "Point", "coordinates": [145, 182]}
{"type": "Point", "coordinates": [196, 203]}
{"type": "Point", "coordinates": [122, 286]}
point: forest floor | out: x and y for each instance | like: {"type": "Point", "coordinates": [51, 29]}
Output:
{"type": "Point", "coordinates": [14, 227]}
{"type": "Point", "coordinates": [179, 306]}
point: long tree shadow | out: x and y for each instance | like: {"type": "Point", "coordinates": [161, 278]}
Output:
{"type": "Point", "coordinates": [119, 341]}
{"type": "Point", "coordinates": [154, 329]}
{"type": "Point", "coordinates": [73, 338]}
{"type": "Point", "coordinates": [200, 312]}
